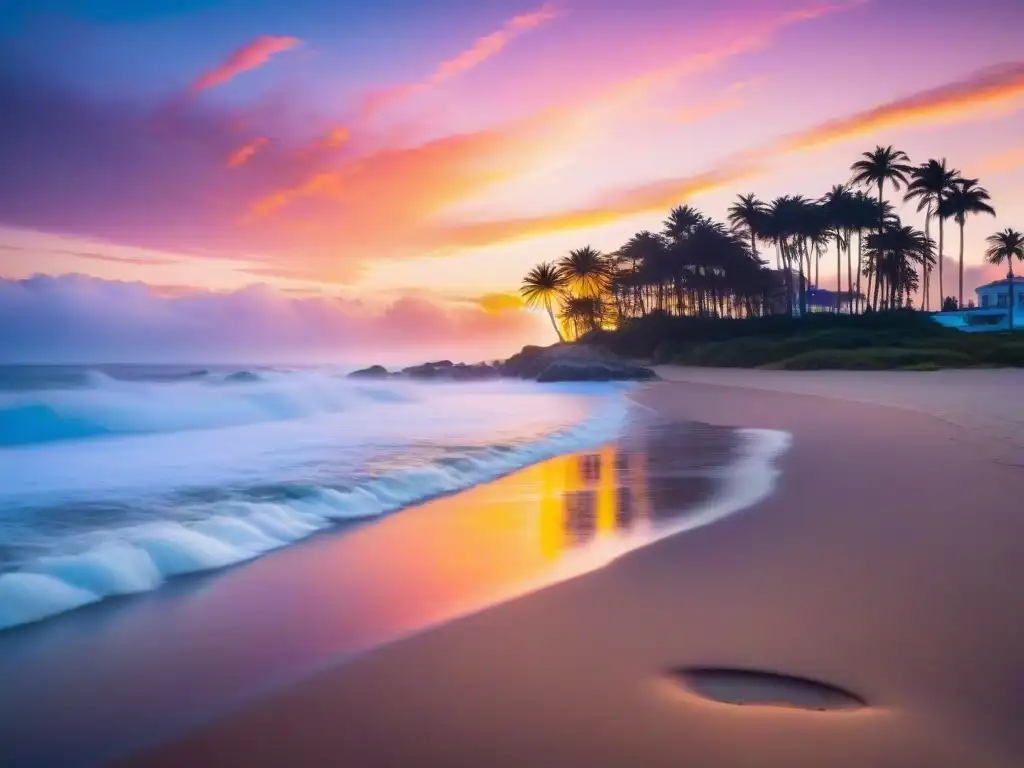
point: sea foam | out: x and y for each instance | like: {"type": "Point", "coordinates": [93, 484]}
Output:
{"type": "Point", "coordinates": [135, 558]}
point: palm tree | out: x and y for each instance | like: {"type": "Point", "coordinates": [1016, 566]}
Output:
{"type": "Point", "coordinates": [583, 313]}
{"type": "Point", "coordinates": [646, 254]}
{"type": "Point", "coordinates": [779, 227]}
{"type": "Point", "coordinates": [863, 215]}
{"type": "Point", "coordinates": [893, 256]}
{"type": "Point", "coordinates": [1006, 246]}
{"type": "Point", "coordinates": [930, 184]}
{"type": "Point", "coordinates": [542, 286]}
{"type": "Point", "coordinates": [965, 199]}
{"type": "Point", "coordinates": [585, 270]}
{"type": "Point", "coordinates": [837, 204]}
{"type": "Point", "coordinates": [684, 261]}
{"type": "Point", "coordinates": [879, 166]}
{"type": "Point", "coordinates": [811, 230]}
{"type": "Point", "coordinates": [746, 215]}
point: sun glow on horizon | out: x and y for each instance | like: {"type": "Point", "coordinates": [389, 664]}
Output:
{"type": "Point", "coordinates": [452, 170]}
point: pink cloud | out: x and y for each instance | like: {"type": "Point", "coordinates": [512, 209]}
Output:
{"type": "Point", "coordinates": [245, 153]}
{"type": "Point", "coordinates": [117, 320]}
{"type": "Point", "coordinates": [250, 56]}
{"type": "Point", "coordinates": [480, 51]}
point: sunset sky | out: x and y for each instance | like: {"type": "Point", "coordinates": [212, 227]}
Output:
{"type": "Point", "coordinates": [311, 180]}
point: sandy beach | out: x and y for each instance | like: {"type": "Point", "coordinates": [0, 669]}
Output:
{"type": "Point", "coordinates": [887, 565]}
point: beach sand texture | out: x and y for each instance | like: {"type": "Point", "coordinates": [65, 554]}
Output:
{"type": "Point", "coordinates": [887, 563]}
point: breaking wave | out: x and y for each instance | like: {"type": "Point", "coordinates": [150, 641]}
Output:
{"type": "Point", "coordinates": [236, 525]}
{"type": "Point", "coordinates": [196, 399]}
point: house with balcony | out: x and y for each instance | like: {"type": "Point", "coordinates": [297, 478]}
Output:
{"type": "Point", "coordinates": [992, 311]}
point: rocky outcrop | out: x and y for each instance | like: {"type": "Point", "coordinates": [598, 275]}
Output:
{"type": "Point", "coordinates": [445, 370]}
{"type": "Point", "coordinates": [561, 362]}
{"type": "Point", "coordinates": [572, 362]}
{"type": "Point", "coordinates": [242, 377]}
{"type": "Point", "coordinates": [373, 372]}
{"type": "Point", "coordinates": [595, 370]}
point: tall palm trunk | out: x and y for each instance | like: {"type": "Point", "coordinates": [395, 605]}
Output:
{"type": "Point", "coordinates": [867, 293]}
{"type": "Point", "coordinates": [1011, 297]}
{"type": "Point", "coordinates": [803, 254]}
{"type": "Point", "coordinates": [554, 323]}
{"type": "Point", "coordinates": [881, 228]}
{"type": "Point", "coordinates": [960, 291]}
{"type": "Point", "coordinates": [849, 272]}
{"type": "Point", "coordinates": [942, 293]}
{"type": "Point", "coordinates": [926, 280]}
{"type": "Point", "coordinates": [860, 266]}
{"type": "Point", "coordinates": [787, 267]}
{"type": "Point", "coordinates": [839, 270]}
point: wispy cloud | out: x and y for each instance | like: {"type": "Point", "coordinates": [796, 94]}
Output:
{"type": "Point", "coordinates": [731, 99]}
{"type": "Point", "coordinates": [421, 182]}
{"type": "Point", "coordinates": [993, 87]}
{"type": "Point", "coordinates": [321, 184]}
{"type": "Point", "coordinates": [480, 51]}
{"type": "Point", "coordinates": [1001, 162]}
{"type": "Point", "coordinates": [150, 261]}
{"type": "Point", "coordinates": [764, 32]}
{"type": "Point", "coordinates": [618, 204]}
{"type": "Point", "coordinates": [245, 153]}
{"type": "Point", "coordinates": [250, 56]}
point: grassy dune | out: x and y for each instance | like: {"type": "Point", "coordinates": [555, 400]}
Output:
{"type": "Point", "coordinates": [874, 341]}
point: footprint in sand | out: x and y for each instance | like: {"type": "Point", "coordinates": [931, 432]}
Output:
{"type": "Point", "coordinates": [765, 689]}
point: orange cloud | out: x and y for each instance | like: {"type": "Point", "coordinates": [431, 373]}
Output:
{"type": "Point", "coordinates": [244, 153]}
{"type": "Point", "coordinates": [398, 188]}
{"type": "Point", "coordinates": [658, 196]}
{"type": "Point", "coordinates": [250, 56]}
{"type": "Point", "coordinates": [994, 87]}
{"type": "Point", "coordinates": [482, 49]}
{"type": "Point", "coordinates": [335, 137]}
{"type": "Point", "coordinates": [391, 198]}
{"type": "Point", "coordinates": [496, 303]}
{"type": "Point", "coordinates": [991, 87]}
{"type": "Point", "coordinates": [327, 183]}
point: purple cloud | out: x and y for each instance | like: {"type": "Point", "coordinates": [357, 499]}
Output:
{"type": "Point", "coordinates": [76, 318]}
{"type": "Point", "coordinates": [111, 170]}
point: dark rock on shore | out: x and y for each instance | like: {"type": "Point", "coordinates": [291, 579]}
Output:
{"type": "Point", "coordinates": [242, 376]}
{"type": "Point", "coordinates": [561, 362]}
{"type": "Point", "coordinates": [570, 362]}
{"type": "Point", "coordinates": [598, 370]}
{"type": "Point", "coordinates": [373, 372]}
{"type": "Point", "coordinates": [447, 370]}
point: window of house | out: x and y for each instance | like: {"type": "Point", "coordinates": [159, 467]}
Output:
{"type": "Point", "coordinates": [984, 300]}
{"type": "Point", "coordinates": [1000, 299]}
{"type": "Point", "coordinates": [1020, 299]}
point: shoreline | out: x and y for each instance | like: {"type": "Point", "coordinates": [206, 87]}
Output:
{"type": "Point", "coordinates": [885, 563]}
{"type": "Point", "coordinates": [44, 589]}
{"type": "Point", "coordinates": [344, 595]}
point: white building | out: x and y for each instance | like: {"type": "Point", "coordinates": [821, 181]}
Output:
{"type": "Point", "coordinates": [992, 312]}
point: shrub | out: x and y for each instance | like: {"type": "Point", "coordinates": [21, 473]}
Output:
{"type": "Point", "coordinates": [1008, 353]}
{"type": "Point", "coordinates": [874, 359]}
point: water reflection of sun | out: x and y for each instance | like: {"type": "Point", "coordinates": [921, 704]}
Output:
{"type": "Point", "coordinates": [588, 497]}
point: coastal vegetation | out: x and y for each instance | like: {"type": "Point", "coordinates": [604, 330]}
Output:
{"type": "Point", "coordinates": [746, 292]}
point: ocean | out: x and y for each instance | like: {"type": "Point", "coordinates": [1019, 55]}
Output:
{"type": "Point", "coordinates": [116, 479]}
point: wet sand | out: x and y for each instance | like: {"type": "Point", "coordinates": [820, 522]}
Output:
{"type": "Point", "coordinates": [887, 564]}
